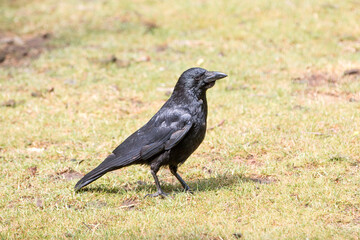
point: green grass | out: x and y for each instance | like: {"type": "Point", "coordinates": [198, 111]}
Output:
{"type": "Point", "coordinates": [283, 165]}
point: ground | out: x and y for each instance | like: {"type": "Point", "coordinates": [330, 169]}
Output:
{"type": "Point", "coordinates": [281, 157]}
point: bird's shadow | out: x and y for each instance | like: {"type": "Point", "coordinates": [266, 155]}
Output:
{"type": "Point", "coordinates": [201, 185]}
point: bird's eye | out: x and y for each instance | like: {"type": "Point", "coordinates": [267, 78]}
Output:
{"type": "Point", "coordinates": [200, 76]}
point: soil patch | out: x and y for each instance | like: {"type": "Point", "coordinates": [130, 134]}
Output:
{"type": "Point", "coordinates": [327, 86]}
{"type": "Point", "coordinates": [67, 174]}
{"type": "Point", "coordinates": [263, 179]}
{"type": "Point", "coordinates": [315, 79]}
{"type": "Point", "coordinates": [16, 50]}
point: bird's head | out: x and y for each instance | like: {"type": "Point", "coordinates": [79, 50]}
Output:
{"type": "Point", "coordinates": [198, 80]}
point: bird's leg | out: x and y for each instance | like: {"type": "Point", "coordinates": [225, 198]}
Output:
{"type": "Point", "coordinates": [157, 183]}
{"type": "Point", "coordinates": [173, 170]}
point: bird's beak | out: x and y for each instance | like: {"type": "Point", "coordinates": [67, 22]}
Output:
{"type": "Point", "coordinates": [213, 76]}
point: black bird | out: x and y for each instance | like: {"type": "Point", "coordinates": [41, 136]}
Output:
{"type": "Point", "coordinates": [170, 136]}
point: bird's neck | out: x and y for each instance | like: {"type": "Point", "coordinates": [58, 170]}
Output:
{"type": "Point", "coordinates": [192, 101]}
{"type": "Point", "coordinates": [189, 96]}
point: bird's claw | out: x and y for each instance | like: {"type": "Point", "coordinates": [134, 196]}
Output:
{"type": "Point", "coordinates": [162, 194]}
{"type": "Point", "coordinates": [189, 191]}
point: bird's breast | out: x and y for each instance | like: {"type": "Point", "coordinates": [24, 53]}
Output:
{"type": "Point", "coordinates": [195, 135]}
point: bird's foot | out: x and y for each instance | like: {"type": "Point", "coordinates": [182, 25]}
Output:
{"type": "Point", "coordinates": [188, 190]}
{"type": "Point", "coordinates": [158, 193]}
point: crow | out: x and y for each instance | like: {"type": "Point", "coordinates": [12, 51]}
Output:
{"type": "Point", "coordinates": [170, 136]}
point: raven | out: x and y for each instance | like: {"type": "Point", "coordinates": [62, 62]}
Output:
{"type": "Point", "coordinates": [170, 136]}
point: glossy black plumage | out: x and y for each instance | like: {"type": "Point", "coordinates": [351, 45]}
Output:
{"type": "Point", "coordinates": [170, 136]}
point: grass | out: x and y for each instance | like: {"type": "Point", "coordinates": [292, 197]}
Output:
{"type": "Point", "coordinates": [284, 163]}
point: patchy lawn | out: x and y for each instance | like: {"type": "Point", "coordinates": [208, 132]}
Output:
{"type": "Point", "coordinates": [281, 158]}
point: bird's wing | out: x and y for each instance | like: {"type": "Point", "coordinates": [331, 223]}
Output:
{"type": "Point", "coordinates": [177, 136]}
{"type": "Point", "coordinates": [170, 139]}
{"type": "Point", "coordinates": [162, 132]}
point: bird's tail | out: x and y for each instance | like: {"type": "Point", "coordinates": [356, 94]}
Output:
{"type": "Point", "coordinates": [98, 172]}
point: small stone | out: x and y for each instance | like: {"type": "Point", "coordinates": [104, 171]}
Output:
{"type": "Point", "coordinates": [9, 103]}
{"type": "Point", "coordinates": [354, 71]}
{"type": "Point", "coordinates": [237, 235]}
{"type": "Point", "coordinates": [39, 203]}
{"type": "Point", "coordinates": [36, 94]}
